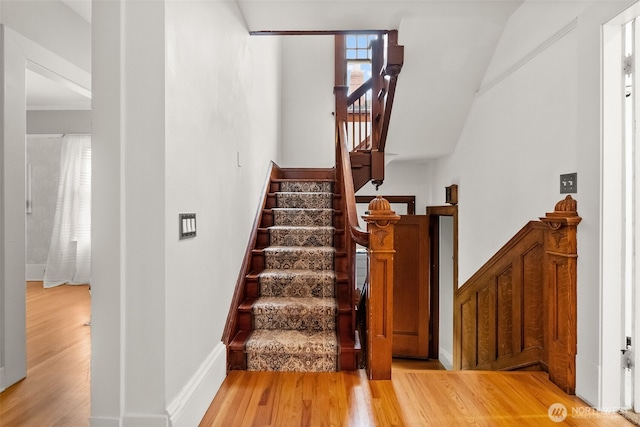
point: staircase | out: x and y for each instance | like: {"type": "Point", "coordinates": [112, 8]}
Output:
{"type": "Point", "coordinates": [295, 316]}
{"type": "Point", "coordinates": [288, 316]}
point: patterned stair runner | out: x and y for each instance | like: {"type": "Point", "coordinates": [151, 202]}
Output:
{"type": "Point", "coordinates": [295, 316]}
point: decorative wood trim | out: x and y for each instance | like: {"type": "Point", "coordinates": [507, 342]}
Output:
{"type": "Point", "coordinates": [380, 223]}
{"type": "Point", "coordinates": [519, 309]}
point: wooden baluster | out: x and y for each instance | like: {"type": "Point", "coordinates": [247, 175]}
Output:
{"type": "Point", "coordinates": [380, 223]}
{"type": "Point", "coordinates": [560, 278]}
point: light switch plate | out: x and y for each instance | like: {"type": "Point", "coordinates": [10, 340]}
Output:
{"type": "Point", "coordinates": [187, 225]}
{"type": "Point", "coordinates": [569, 183]}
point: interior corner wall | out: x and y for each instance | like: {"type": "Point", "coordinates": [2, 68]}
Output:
{"type": "Point", "coordinates": [308, 126]}
{"type": "Point", "coordinates": [537, 117]}
{"type": "Point", "coordinates": [222, 131]}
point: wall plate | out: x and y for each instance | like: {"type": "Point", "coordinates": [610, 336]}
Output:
{"type": "Point", "coordinates": [187, 225]}
{"type": "Point", "coordinates": [569, 183]}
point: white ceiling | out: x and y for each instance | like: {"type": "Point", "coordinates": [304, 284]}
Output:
{"type": "Point", "coordinates": [448, 47]}
{"type": "Point", "coordinates": [47, 90]}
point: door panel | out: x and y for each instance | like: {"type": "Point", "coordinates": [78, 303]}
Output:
{"type": "Point", "coordinates": [411, 287]}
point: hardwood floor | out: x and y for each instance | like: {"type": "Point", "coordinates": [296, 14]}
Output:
{"type": "Point", "coordinates": [56, 390]}
{"type": "Point", "coordinates": [414, 397]}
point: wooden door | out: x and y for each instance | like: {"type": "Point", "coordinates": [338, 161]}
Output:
{"type": "Point", "coordinates": [411, 287]}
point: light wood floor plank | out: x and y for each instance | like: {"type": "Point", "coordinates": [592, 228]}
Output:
{"type": "Point", "coordinates": [413, 397]}
{"type": "Point", "coordinates": [56, 390]}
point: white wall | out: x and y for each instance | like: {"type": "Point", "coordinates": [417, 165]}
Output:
{"type": "Point", "coordinates": [537, 116]}
{"type": "Point", "coordinates": [403, 178]}
{"type": "Point", "coordinates": [180, 89]}
{"type": "Point", "coordinates": [308, 135]}
{"type": "Point", "coordinates": [58, 121]}
{"type": "Point", "coordinates": [43, 155]}
{"type": "Point", "coordinates": [223, 98]}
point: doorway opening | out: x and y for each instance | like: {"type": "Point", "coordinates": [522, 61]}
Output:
{"type": "Point", "coordinates": [443, 273]}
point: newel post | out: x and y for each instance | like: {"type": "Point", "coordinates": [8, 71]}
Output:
{"type": "Point", "coordinates": [380, 222]}
{"type": "Point", "coordinates": [560, 285]}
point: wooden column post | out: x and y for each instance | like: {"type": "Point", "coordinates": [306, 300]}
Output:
{"type": "Point", "coordinates": [380, 222]}
{"type": "Point", "coordinates": [560, 286]}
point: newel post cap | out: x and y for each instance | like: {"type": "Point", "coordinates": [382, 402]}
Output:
{"type": "Point", "coordinates": [564, 213]}
{"type": "Point", "coordinates": [380, 212]}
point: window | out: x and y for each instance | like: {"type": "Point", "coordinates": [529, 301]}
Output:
{"type": "Point", "coordinates": [358, 56]}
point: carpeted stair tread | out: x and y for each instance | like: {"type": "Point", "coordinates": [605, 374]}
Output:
{"type": "Point", "coordinates": [306, 186]}
{"type": "Point", "coordinates": [305, 200]}
{"type": "Point", "coordinates": [302, 217]}
{"type": "Point", "coordinates": [280, 235]}
{"type": "Point", "coordinates": [297, 283]}
{"type": "Point", "coordinates": [307, 314]}
{"type": "Point", "coordinates": [299, 257]}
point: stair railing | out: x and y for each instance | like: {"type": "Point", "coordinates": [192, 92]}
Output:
{"type": "Point", "coordinates": [345, 181]}
{"type": "Point", "coordinates": [378, 239]}
{"type": "Point", "coordinates": [367, 111]}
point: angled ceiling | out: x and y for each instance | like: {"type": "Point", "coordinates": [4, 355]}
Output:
{"type": "Point", "coordinates": [448, 47]}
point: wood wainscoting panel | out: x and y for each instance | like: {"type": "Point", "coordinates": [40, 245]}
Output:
{"type": "Point", "coordinates": [468, 337]}
{"type": "Point", "coordinates": [501, 321]}
{"type": "Point", "coordinates": [533, 296]}
{"type": "Point", "coordinates": [487, 324]}
{"type": "Point", "coordinates": [504, 313]}
{"type": "Point", "coordinates": [518, 311]}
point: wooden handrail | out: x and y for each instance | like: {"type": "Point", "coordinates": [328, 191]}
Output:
{"type": "Point", "coordinates": [384, 129]}
{"type": "Point", "coordinates": [344, 163]}
{"type": "Point", "coordinates": [368, 128]}
{"type": "Point", "coordinates": [359, 92]}
{"type": "Point", "coordinates": [392, 68]}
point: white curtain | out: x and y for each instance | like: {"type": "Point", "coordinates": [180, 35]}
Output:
{"type": "Point", "coordinates": [69, 259]}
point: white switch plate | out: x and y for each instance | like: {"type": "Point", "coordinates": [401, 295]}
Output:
{"type": "Point", "coordinates": [187, 225]}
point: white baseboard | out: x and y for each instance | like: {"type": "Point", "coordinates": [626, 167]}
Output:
{"type": "Point", "coordinates": [2, 387]}
{"type": "Point", "coordinates": [104, 422]}
{"type": "Point", "coordinates": [35, 272]}
{"type": "Point", "coordinates": [188, 408]}
{"type": "Point", "coordinates": [446, 359]}
{"type": "Point", "coordinates": [135, 420]}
